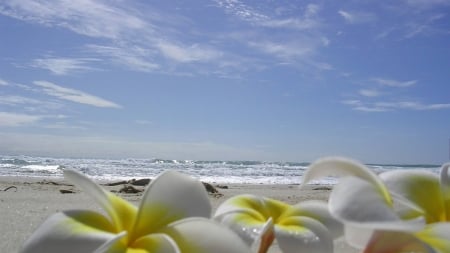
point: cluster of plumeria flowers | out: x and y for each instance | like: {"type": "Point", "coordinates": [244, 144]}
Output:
{"type": "Point", "coordinates": [395, 211]}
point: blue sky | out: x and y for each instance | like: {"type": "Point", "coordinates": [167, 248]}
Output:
{"type": "Point", "coordinates": [226, 80]}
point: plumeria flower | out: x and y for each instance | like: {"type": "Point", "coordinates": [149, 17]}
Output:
{"type": "Point", "coordinates": [396, 211]}
{"type": "Point", "coordinates": [304, 227]}
{"type": "Point", "coordinates": [173, 217]}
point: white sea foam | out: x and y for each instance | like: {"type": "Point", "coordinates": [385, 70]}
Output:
{"type": "Point", "coordinates": [246, 172]}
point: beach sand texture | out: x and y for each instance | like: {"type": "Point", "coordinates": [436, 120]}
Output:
{"type": "Point", "coordinates": [29, 201]}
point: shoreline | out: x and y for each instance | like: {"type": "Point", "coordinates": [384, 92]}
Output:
{"type": "Point", "coordinates": [30, 200]}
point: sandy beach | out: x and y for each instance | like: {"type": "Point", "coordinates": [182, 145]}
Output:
{"type": "Point", "coordinates": [26, 202]}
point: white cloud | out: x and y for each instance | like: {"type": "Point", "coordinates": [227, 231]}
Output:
{"type": "Point", "coordinates": [17, 100]}
{"type": "Point", "coordinates": [16, 119]}
{"type": "Point", "coordinates": [144, 38]}
{"type": "Point", "coordinates": [28, 104]}
{"type": "Point", "coordinates": [87, 17]}
{"type": "Point", "coordinates": [414, 105]}
{"type": "Point", "coordinates": [3, 82]}
{"type": "Point", "coordinates": [241, 10]}
{"type": "Point", "coordinates": [63, 66]}
{"type": "Point", "coordinates": [293, 23]}
{"type": "Point", "coordinates": [427, 3]}
{"type": "Point", "coordinates": [370, 109]}
{"type": "Point", "coordinates": [394, 83]}
{"type": "Point", "coordinates": [257, 18]}
{"type": "Point", "coordinates": [283, 50]}
{"type": "Point", "coordinates": [74, 95]}
{"type": "Point", "coordinates": [352, 102]}
{"type": "Point", "coordinates": [369, 93]}
{"type": "Point", "coordinates": [393, 106]}
{"type": "Point", "coordinates": [357, 17]}
{"type": "Point", "coordinates": [188, 54]}
{"type": "Point", "coordinates": [135, 58]}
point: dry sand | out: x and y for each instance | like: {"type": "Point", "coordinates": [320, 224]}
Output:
{"type": "Point", "coordinates": [29, 201]}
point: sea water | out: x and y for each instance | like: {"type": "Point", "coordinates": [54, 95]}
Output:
{"type": "Point", "coordinates": [222, 172]}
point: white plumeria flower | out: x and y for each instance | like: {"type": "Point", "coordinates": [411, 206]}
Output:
{"type": "Point", "coordinates": [396, 211]}
{"type": "Point", "coordinates": [172, 218]}
{"type": "Point", "coordinates": [304, 227]}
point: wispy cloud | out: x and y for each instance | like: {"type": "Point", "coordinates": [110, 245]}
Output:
{"type": "Point", "coordinates": [242, 11]}
{"type": "Point", "coordinates": [63, 66]}
{"type": "Point", "coordinates": [369, 93]}
{"type": "Point", "coordinates": [87, 17]}
{"type": "Point", "coordinates": [143, 38]}
{"type": "Point", "coordinates": [424, 26]}
{"type": "Point", "coordinates": [299, 46]}
{"type": "Point", "coordinates": [357, 17]}
{"type": "Point", "coordinates": [415, 18]}
{"type": "Point", "coordinates": [8, 119]}
{"type": "Point", "coordinates": [359, 105]}
{"type": "Point", "coordinates": [191, 53]}
{"type": "Point", "coordinates": [258, 18]}
{"type": "Point", "coordinates": [135, 58]}
{"type": "Point", "coordinates": [29, 104]}
{"type": "Point", "coordinates": [3, 82]}
{"type": "Point", "coordinates": [74, 95]}
{"type": "Point", "coordinates": [394, 83]}
{"type": "Point", "coordinates": [427, 3]}
{"type": "Point", "coordinates": [282, 49]}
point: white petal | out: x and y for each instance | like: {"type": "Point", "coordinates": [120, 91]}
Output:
{"type": "Point", "coordinates": [392, 241]}
{"type": "Point", "coordinates": [339, 167]}
{"type": "Point", "coordinates": [121, 212]}
{"type": "Point", "coordinates": [89, 186]}
{"type": "Point", "coordinates": [445, 180]}
{"type": "Point", "coordinates": [169, 197]}
{"type": "Point", "coordinates": [243, 203]}
{"type": "Point", "coordinates": [202, 235]}
{"type": "Point", "coordinates": [108, 246]}
{"type": "Point", "coordinates": [317, 210]}
{"type": "Point", "coordinates": [304, 235]}
{"type": "Point", "coordinates": [242, 222]}
{"type": "Point", "coordinates": [157, 243]}
{"type": "Point", "coordinates": [410, 184]}
{"type": "Point", "coordinates": [357, 237]}
{"type": "Point", "coordinates": [437, 236]}
{"type": "Point", "coordinates": [265, 238]}
{"type": "Point", "coordinates": [248, 215]}
{"type": "Point", "coordinates": [71, 231]}
{"type": "Point", "coordinates": [357, 203]}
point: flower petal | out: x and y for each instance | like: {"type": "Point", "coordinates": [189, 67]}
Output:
{"type": "Point", "coordinates": [445, 177]}
{"type": "Point", "coordinates": [265, 238]}
{"type": "Point", "coordinates": [410, 184]}
{"type": "Point", "coordinates": [356, 202]}
{"type": "Point", "coordinates": [120, 211]}
{"type": "Point", "coordinates": [244, 203]}
{"type": "Point", "coordinates": [71, 231]}
{"type": "Point", "coordinates": [247, 215]}
{"type": "Point", "coordinates": [156, 243]}
{"type": "Point", "coordinates": [339, 167]}
{"type": "Point", "coordinates": [303, 234]}
{"type": "Point", "coordinates": [317, 210]}
{"type": "Point", "coordinates": [114, 245]}
{"type": "Point", "coordinates": [436, 235]}
{"type": "Point", "coordinates": [169, 197]}
{"type": "Point", "coordinates": [445, 184]}
{"type": "Point", "coordinates": [204, 236]}
{"type": "Point", "coordinates": [393, 241]}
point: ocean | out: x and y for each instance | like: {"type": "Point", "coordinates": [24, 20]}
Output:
{"type": "Point", "coordinates": [221, 172]}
